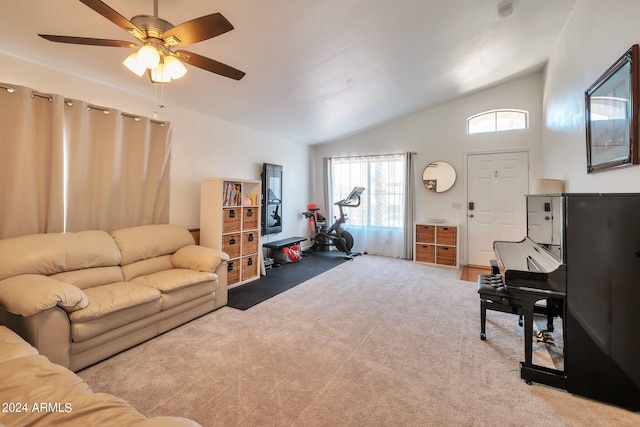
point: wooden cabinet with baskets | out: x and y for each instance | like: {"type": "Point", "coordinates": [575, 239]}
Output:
{"type": "Point", "coordinates": [230, 220]}
{"type": "Point", "coordinates": [436, 244]}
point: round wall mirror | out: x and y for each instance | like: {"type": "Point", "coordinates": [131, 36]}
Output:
{"type": "Point", "coordinates": [439, 176]}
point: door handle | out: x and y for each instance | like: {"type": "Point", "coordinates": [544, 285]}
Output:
{"type": "Point", "coordinates": [470, 215]}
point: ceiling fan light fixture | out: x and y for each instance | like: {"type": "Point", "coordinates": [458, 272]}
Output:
{"type": "Point", "coordinates": [149, 56]}
{"type": "Point", "coordinates": [174, 67]}
{"type": "Point", "coordinates": [156, 40]}
{"type": "Point", "coordinates": [133, 64]}
{"type": "Point", "coordinates": [160, 74]}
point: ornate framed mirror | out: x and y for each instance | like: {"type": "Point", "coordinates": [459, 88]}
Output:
{"type": "Point", "coordinates": [611, 109]}
{"type": "Point", "coordinates": [439, 176]}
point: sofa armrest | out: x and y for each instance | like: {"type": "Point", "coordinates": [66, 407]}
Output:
{"type": "Point", "coordinates": [28, 294]}
{"type": "Point", "coordinates": [222, 296]}
{"type": "Point", "coordinates": [49, 331]}
{"type": "Point", "coordinates": [199, 258]}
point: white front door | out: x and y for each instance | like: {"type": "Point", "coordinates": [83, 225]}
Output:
{"type": "Point", "coordinates": [496, 208]}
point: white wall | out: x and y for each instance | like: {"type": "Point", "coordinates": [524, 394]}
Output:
{"type": "Point", "coordinates": [597, 34]}
{"type": "Point", "coordinates": [440, 134]}
{"type": "Point", "coordinates": [203, 146]}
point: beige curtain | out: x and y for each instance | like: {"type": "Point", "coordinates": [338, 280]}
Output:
{"type": "Point", "coordinates": [66, 165]}
{"type": "Point", "coordinates": [409, 204]}
{"type": "Point", "coordinates": [117, 168]}
{"type": "Point", "coordinates": [31, 173]}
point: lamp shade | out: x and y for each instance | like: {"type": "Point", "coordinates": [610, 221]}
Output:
{"type": "Point", "coordinates": [547, 186]}
{"type": "Point", "coordinates": [160, 75]}
{"type": "Point", "coordinates": [149, 56]}
{"type": "Point", "coordinates": [134, 65]}
{"type": "Point", "coordinates": [174, 67]}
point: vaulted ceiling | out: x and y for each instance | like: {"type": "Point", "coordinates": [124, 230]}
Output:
{"type": "Point", "coordinates": [316, 70]}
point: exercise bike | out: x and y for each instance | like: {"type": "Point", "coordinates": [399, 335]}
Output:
{"type": "Point", "coordinates": [334, 235]}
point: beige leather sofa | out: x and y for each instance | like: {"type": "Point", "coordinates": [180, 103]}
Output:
{"type": "Point", "coordinates": [36, 392]}
{"type": "Point", "coordinates": [82, 297]}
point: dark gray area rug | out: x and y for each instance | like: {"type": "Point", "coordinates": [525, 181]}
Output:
{"type": "Point", "coordinates": [282, 278]}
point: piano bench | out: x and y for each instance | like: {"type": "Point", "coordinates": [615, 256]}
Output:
{"type": "Point", "coordinates": [495, 296]}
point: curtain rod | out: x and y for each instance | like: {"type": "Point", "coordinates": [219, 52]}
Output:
{"type": "Point", "coordinates": [8, 88]}
{"type": "Point", "coordinates": [41, 95]}
{"type": "Point", "coordinates": [370, 155]}
{"type": "Point", "coordinates": [69, 102]}
{"type": "Point", "coordinates": [138, 118]}
{"type": "Point", "coordinates": [46, 96]}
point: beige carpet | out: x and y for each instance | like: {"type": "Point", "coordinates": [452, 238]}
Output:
{"type": "Point", "coordinates": [373, 342]}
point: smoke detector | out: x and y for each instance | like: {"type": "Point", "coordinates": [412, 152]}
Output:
{"type": "Point", "coordinates": [505, 9]}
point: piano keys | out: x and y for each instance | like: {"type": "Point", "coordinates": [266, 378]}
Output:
{"type": "Point", "coordinates": [584, 251]}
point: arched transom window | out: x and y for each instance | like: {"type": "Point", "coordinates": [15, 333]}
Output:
{"type": "Point", "coordinates": [497, 121]}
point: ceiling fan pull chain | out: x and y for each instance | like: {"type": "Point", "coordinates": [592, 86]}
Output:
{"type": "Point", "coordinates": [155, 97]}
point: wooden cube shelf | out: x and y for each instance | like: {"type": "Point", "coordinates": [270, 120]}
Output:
{"type": "Point", "coordinates": [436, 244]}
{"type": "Point", "coordinates": [230, 221]}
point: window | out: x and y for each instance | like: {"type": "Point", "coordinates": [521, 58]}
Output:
{"type": "Point", "coordinates": [498, 120]}
{"type": "Point", "coordinates": [378, 223]}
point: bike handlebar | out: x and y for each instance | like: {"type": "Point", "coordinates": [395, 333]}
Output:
{"type": "Point", "coordinates": [348, 203]}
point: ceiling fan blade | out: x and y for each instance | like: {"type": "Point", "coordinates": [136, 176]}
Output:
{"type": "Point", "coordinates": [87, 41]}
{"type": "Point", "coordinates": [113, 16]}
{"type": "Point", "coordinates": [197, 30]}
{"type": "Point", "coordinates": [209, 65]}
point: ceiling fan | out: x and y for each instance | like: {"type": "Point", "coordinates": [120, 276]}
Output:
{"type": "Point", "coordinates": [157, 51]}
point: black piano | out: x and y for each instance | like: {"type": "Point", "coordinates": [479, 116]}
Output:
{"type": "Point", "coordinates": [582, 251]}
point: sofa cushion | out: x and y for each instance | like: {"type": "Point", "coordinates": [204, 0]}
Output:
{"type": "Point", "coordinates": [179, 285]}
{"type": "Point", "coordinates": [189, 293]}
{"type": "Point", "coordinates": [172, 280]}
{"type": "Point", "coordinates": [112, 306]}
{"type": "Point", "coordinates": [90, 277]}
{"type": "Point", "coordinates": [82, 331]}
{"type": "Point", "coordinates": [57, 252]}
{"type": "Point", "coordinates": [147, 266]}
{"type": "Point", "coordinates": [107, 299]}
{"type": "Point", "coordinates": [148, 241]}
